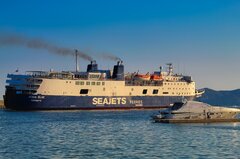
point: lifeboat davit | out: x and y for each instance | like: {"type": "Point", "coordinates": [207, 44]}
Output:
{"type": "Point", "coordinates": [142, 77]}
{"type": "Point", "coordinates": [156, 78]}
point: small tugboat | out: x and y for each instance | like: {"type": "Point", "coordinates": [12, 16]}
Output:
{"type": "Point", "coordinates": [197, 112]}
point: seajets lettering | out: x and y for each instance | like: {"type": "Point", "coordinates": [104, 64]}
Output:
{"type": "Point", "coordinates": [109, 101]}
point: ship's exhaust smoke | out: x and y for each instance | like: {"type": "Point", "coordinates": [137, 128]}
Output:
{"type": "Point", "coordinates": [35, 43]}
{"type": "Point", "coordinates": [110, 57]}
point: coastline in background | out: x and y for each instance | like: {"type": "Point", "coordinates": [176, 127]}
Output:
{"type": "Point", "coordinates": [221, 98]}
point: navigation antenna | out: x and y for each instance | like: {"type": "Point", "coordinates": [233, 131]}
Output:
{"type": "Point", "coordinates": [160, 73]}
{"type": "Point", "coordinates": [170, 68]}
{"type": "Point", "coordinates": [76, 56]}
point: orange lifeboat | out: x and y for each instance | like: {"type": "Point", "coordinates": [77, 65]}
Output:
{"type": "Point", "coordinates": [142, 77]}
{"type": "Point", "coordinates": [156, 78]}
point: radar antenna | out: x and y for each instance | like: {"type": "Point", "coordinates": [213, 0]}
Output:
{"type": "Point", "coordinates": [170, 68]}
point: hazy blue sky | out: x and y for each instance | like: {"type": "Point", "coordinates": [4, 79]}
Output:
{"type": "Point", "coordinates": [201, 37]}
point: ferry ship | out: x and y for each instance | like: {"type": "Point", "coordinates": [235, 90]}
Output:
{"type": "Point", "coordinates": [97, 89]}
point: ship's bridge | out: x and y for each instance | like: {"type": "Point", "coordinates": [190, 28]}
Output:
{"type": "Point", "coordinates": [45, 74]}
{"type": "Point", "coordinates": [37, 73]}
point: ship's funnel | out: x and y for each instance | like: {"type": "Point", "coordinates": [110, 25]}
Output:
{"type": "Point", "coordinates": [76, 56]}
{"type": "Point", "coordinates": [92, 67]}
{"type": "Point", "coordinates": [118, 71]}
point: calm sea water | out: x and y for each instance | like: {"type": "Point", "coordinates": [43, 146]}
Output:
{"type": "Point", "coordinates": [122, 134]}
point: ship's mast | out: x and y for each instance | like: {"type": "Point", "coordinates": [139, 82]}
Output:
{"type": "Point", "coordinates": [160, 73]}
{"type": "Point", "coordinates": [170, 68]}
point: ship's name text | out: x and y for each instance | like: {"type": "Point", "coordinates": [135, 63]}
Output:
{"type": "Point", "coordinates": [136, 102]}
{"type": "Point", "coordinates": [97, 101]}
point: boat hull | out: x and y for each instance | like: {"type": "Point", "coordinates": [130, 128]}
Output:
{"type": "Point", "coordinates": [15, 101]}
{"type": "Point", "coordinates": [196, 120]}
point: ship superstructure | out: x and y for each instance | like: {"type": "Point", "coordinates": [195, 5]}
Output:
{"type": "Point", "coordinates": [97, 89]}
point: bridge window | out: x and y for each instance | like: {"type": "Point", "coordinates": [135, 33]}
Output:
{"type": "Point", "coordinates": [98, 83]}
{"type": "Point", "coordinates": [87, 83]}
{"type": "Point", "coordinates": [165, 92]}
{"type": "Point", "coordinates": [93, 83]}
{"type": "Point", "coordinates": [103, 83]}
{"type": "Point", "coordinates": [84, 91]}
{"type": "Point", "coordinates": [18, 92]}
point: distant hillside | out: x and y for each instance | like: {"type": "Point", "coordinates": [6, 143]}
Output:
{"type": "Point", "coordinates": [223, 98]}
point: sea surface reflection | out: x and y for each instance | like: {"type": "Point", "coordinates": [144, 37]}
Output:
{"type": "Point", "coordinates": [121, 134]}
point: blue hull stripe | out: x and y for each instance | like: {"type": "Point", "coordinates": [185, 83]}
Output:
{"type": "Point", "coordinates": [40, 102]}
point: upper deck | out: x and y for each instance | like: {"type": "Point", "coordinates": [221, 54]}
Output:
{"type": "Point", "coordinates": [158, 78]}
{"type": "Point", "coordinates": [130, 79]}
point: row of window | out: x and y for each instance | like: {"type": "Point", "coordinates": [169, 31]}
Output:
{"type": "Point", "coordinates": [171, 88]}
{"type": "Point", "coordinates": [94, 76]}
{"type": "Point", "coordinates": [179, 88]}
{"type": "Point", "coordinates": [172, 79]}
{"type": "Point", "coordinates": [155, 91]}
{"type": "Point", "coordinates": [175, 83]}
{"type": "Point", "coordinates": [90, 83]}
{"type": "Point", "coordinates": [182, 93]}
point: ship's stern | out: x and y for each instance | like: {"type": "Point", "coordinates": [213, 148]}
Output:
{"type": "Point", "coordinates": [18, 91]}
